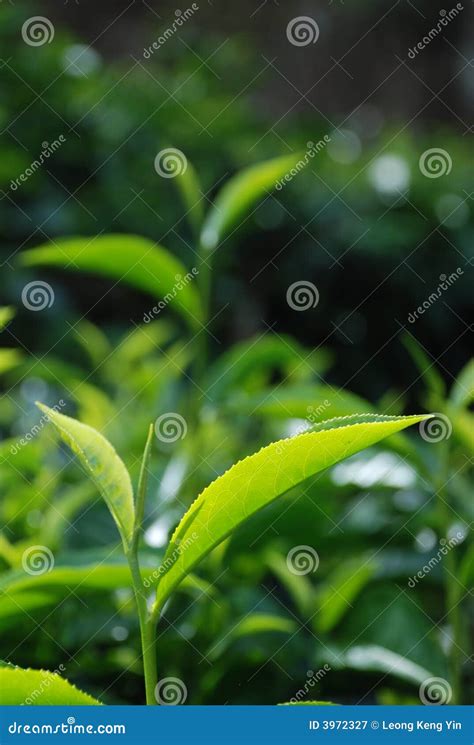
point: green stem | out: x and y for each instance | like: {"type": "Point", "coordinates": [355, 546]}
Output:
{"type": "Point", "coordinates": [147, 631]}
{"type": "Point", "coordinates": [452, 587]}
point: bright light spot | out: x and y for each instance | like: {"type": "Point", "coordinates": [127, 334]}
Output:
{"type": "Point", "coordinates": [390, 174]}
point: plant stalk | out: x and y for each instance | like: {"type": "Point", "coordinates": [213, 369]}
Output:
{"type": "Point", "coordinates": [452, 587]}
{"type": "Point", "coordinates": [147, 631]}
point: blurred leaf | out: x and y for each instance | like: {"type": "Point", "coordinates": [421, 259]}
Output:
{"type": "Point", "coordinates": [426, 366]}
{"type": "Point", "coordinates": [240, 194]}
{"type": "Point", "coordinates": [93, 341]}
{"type": "Point", "coordinates": [258, 480]}
{"type": "Point", "coordinates": [264, 353]}
{"type": "Point", "coordinates": [340, 589]}
{"type": "Point", "coordinates": [6, 315]}
{"type": "Point", "coordinates": [373, 658]}
{"type": "Point", "coordinates": [9, 358]}
{"type": "Point", "coordinates": [462, 392]}
{"type": "Point", "coordinates": [191, 193]}
{"type": "Point", "coordinates": [127, 258]}
{"type": "Point", "coordinates": [298, 586]}
{"type": "Point", "coordinates": [103, 465]}
{"type": "Point", "coordinates": [254, 623]}
{"type": "Point", "coordinates": [39, 688]}
{"type": "Point", "coordinates": [308, 703]}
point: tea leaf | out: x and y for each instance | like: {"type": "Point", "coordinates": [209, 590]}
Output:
{"type": "Point", "coordinates": [103, 465]}
{"type": "Point", "coordinates": [239, 195]}
{"type": "Point", "coordinates": [130, 259]}
{"type": "Point", "coordinates": [6, 314]}
{"type": "Point", "coordinates": [258, 480]}
{"type": "Point", "coordinates": [188, 184]}
{"type": "Point", "coordinates": [39, 688]}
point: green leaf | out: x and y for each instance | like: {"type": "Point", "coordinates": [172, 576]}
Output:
{"type": "Point", "coordinates": [188, 184]}
{"type": "Point", "coordinates": [9, 358]}
{"type": "Point", "coordinates": [127, 258]}
{"type": "Point", "coordinates": [462, 392]}
{"type": "Point", "coordinates": [308, 703]}
{"type": "Point", "coordinates": [39, 688]}
{"type": "Point", "coordinates": [262, 355]}
{"type": "Point", "coordinates": [258, 480]}
{"type": "Point", "coordinates": [6, 315]}
{"type": "Point", "coordinates": [373, 658]}
{"type": "Point", "coordinates": [336, 595]}
{"type": "Point", "coordinates": [254, 623]}
{"type": "Point", "coordinates": [238, 196]}
{"type": "Point", "coordinates": [103, 465]}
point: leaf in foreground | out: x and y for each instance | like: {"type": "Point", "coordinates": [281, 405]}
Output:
{"type": "Point", "coordinates": [103, 465]}
{"type": "Point", "coordinates": [258, 480]}
{"type": "Point", "coordinates": [39, 688]}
